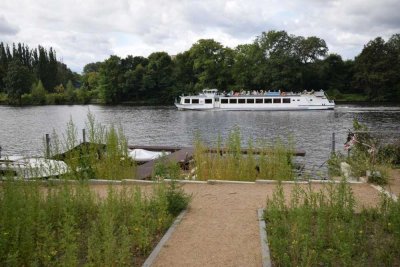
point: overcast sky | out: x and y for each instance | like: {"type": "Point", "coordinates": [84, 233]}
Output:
{"type": "Point", "coordinates": [84, 31]}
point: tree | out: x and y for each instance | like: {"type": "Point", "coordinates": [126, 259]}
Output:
{"type": "Point", "coordinates": [211, 64]}
{"type": "Point", "coordinates": [310, 49]}
{"type": "Point", "coordinates": [17, 81]}
{"type": "Point", "coordinates": [183, 73]}
{"type": "Point", "coordinates": [92, 67]}
{"type": "Point", "coordinates": [376, 70]}
{"type": "Point", "coordinates": [70, 93]}
{"type": "Point", "coordinates": [110, 80]}
{"type": "Point", "coordinates": [38, 94]}
{"type": "Point", "coordinates": [157, 79]}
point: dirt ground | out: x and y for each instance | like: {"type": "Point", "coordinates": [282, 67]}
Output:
{"type": "Point", "coordinates": [221, 226]}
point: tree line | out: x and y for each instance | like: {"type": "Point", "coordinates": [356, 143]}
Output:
{"type": "Point", "coordinates": [274, 60]}
{"type": "Point", "coordinates": [29, 75]}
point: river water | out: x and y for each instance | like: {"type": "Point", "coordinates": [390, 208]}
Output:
{"type": "Point", "coordinates": [22, 128]}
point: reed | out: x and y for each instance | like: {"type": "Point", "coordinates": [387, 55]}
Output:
{"type": "Point", "coordinates": [229, 163]}
{"type": "Point", "coordinates": [323, 229]}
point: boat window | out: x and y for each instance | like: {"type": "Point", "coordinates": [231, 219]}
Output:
{"type": "Point", "coordinates": [241, 101]}
{"type": "Point", "coordinates": [187, 101]}
{"type": "Point", "coordinates": [233, 101]}
{"type": "Point", "coordinates": [259, 100]}
{"type": "Point", "coordinates": [195, 101]}
{"type": "Point", "coordinates": [250, 101]}
{"type": "Point", "coordinates": [298, 99]}
{"type": "Point", "coordinates": [277, 100]}
{"type": "Point", "coordinates": [286, 100]}
{"type": "Point", "coordinates": [310, 99]}
{"type": "Point", "coordinates": [267, 100]}
{"type": "Point", "coordinates": [208, 101]}
{"type": "Point", "coordinates": [224, 101]}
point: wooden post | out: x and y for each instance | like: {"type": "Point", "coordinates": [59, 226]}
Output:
{"type": "Point", "coordinates": [0, 152]}
{"type": "Point", "coordinates": [47, 146]}
{"type": "Point", "coordinates": [333, 143]}
{"type": "Point", "coordinates": [84, 135]}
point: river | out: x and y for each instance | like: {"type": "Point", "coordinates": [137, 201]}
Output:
{"type": "Point", "coordinates": [22, 128]}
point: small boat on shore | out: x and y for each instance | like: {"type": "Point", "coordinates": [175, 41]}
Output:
{"type": "Point", "coordinates": [212, 99]}
{"type": "Point", "coordinates": [30, 168]}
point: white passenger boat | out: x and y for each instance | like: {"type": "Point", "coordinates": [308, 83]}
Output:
{"type": "Point", "coordinates": [211, 99]}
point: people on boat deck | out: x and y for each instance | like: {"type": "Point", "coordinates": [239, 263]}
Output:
{"type": "Point", "coordinates": [242, 92]}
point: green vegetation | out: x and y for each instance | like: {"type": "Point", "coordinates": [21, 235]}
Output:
{"type": "Point", "coordinates": [229, 163]}
{"type": "Point", "coordinates": [274, 60]}
{"type": "Point", "coordinates": [27, 76]}
{"type": "Point", "coordinates": [323, 229]}
{"type": "Point", "coordinates": [70, 225]}
{"type": "Point", "coordinates": [104, 156]}
{"type": "Point", "coordinates": [367, 157]}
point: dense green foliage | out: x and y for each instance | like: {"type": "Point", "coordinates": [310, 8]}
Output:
{"type": "Point", "coordinates": [20, 67]}
{"type": "Point", "coordinates": [274, 60]}
{"type": "Point", "coordinates": [323, 229]}
{"type": "Point", "coordinates": [70, 225]}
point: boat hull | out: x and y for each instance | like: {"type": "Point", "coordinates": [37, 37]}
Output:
{"type": "Point", "coordinates": [295, 108]}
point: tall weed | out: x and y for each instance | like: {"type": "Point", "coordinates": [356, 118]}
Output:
{"type": "Point", "coordinates": [229, 162]}
{"type": "Point", "coordinates": [70, 225]}
{"type": "Point", "coordinates": [321, 228]}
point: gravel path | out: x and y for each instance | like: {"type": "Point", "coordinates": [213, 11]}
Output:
{"type": "Point", "coordinates": [221, 227]}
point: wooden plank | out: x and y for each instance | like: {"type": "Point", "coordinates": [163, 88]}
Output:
{"type": "Point", "coordinates": [299, 153]}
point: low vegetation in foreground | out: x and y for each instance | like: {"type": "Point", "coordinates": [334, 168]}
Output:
{"type": "Point", "coordinates": [324, 229]}
{"type": "Point", "coordinates": [69, 225]}
{"type": "Point", "coordinates": [227, 162]}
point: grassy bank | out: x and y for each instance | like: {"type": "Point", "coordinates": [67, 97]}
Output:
{"type": "Point", "coordinates": [324, 229]}
{"type": "Point", "coordinates": [72, 226]}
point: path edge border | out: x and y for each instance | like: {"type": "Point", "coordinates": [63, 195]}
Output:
{"type": "Point", "coordinates": [265, 254]}
{"type": "Point", "coordinates": [154, 254]}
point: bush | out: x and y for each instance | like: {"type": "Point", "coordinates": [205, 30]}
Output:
{"type": "Point", "coordinates": [26, 99]}
{"type": "Point", "coordinates": [3, 98]}
{"type": "Point", "coordinates": [177, 199]}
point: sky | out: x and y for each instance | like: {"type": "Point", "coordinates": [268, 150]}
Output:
{"type": "Point", "coordinates": [85, 31]}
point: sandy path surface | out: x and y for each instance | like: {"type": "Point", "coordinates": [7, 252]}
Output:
{"type": "Point", "coordinates": [221, 226]}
